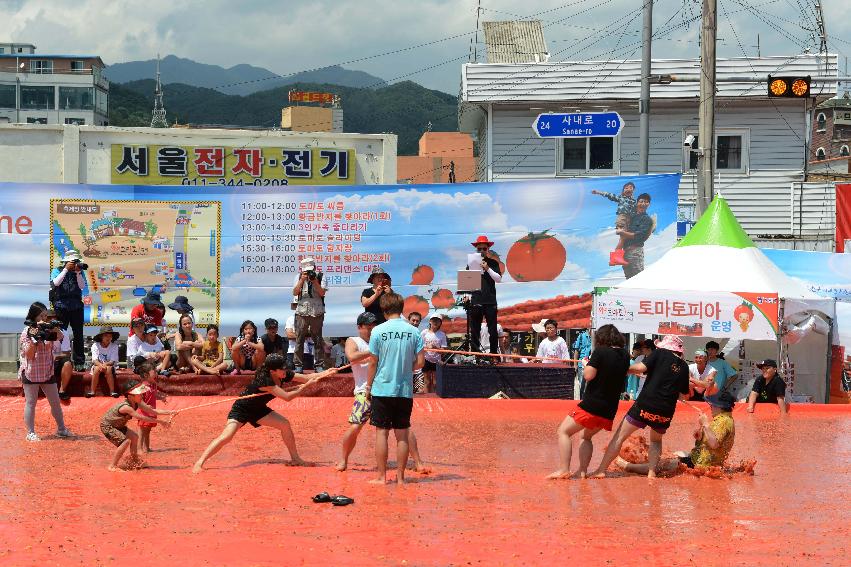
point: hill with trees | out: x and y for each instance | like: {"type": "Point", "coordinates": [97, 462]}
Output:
{"type": "Point", "coordinates": [404, 108]}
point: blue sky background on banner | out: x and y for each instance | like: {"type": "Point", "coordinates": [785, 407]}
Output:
{"type": "Point", "coordinates": [431, 224]}
{"type": "Point", "coordinates": [824, 273]}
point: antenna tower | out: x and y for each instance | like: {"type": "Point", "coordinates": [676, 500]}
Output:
{"type": "Point", "coordinates": [158, 117]}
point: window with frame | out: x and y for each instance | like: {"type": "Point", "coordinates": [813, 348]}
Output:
{"type": "Point", "coordinates": [76, 121]}
{"type": "Point", "coordinates": [7, 96]}
{"type": "Point", "coordinates": [820, 154]}
{"type": "Point", "coordinates": [37, 97]}
{"type": "Point", "coordinates": [36, 120]}
{"type": "Point", "coordinates": [76, 98]}
{"type": "Point", "coordinates": [821, 122]}
{"type": "Point", "coordinates": [78, 67]}
{"type": "Point", "coordinates": [41, 66]}
{"type": "Point", "coordinates": [589, 154]}
{"type": "Point", "coordinates": [843, 151]}
{"type": "Point", "coordinates": [731, 151]}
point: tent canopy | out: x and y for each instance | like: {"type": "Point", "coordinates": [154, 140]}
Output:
{"type": "Point", "coordinates": [717, 255]}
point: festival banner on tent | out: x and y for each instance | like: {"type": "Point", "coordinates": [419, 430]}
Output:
{"type": "Point", "coordinates": [688, 313]}
{"type": "Point", "coordinates": [235, 251]}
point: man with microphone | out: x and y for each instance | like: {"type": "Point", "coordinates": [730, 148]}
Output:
{"type": "Point", "coordinates": [483, 301]}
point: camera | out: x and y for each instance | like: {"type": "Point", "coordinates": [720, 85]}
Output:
{"type": "Point", "coordinates": [82, 265]}
{"type": "Point", "coordinates": [45, 331]}
{"type": "Point", "coordinates": [311, 274]}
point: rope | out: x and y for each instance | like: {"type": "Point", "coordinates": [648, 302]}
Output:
{"type": "Point", "coordinates": [448, 351]}
{"type": "Point", "coordinates": [335, 370]}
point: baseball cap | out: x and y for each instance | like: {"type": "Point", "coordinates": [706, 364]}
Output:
{"type": "Point", "coordinates": [767, 362]}
{"type": "Point", "coordinates": [151, 329]}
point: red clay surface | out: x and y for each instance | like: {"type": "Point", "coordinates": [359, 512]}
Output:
{"type": "Point", "coordinates": [486, 503]}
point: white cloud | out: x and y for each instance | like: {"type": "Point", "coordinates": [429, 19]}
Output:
{"type": "Point", "coordinates": [336, 31]}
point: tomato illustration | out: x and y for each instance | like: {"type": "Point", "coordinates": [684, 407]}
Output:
{"type": "Point", "coordinates": [422, 275]}
{"type": "Point", "coordinates": [443, 299]}
{"type": "Point", "coordinates": [415, 303]}
{"type": "Point", "coordinates": [744, 315]}
{"type": "Point", "coordinates": [537, 257]}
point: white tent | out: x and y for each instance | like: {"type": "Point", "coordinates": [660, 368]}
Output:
{"type": "Point", "coordinates": [716, 283]}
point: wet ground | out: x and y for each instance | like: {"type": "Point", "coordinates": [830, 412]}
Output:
{"type": "Point", "coordinates": [485, 503]}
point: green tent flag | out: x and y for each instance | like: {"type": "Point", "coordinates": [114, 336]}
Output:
{"type": "Point", "coordinates": [718, 226]}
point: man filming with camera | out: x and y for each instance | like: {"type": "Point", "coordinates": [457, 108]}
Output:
{"type": "Point", "coordinates": [36, 346]}
{"type": "Point", "coordinates": [309, 292]}
{"type": "Point", "coordinates": [66, 293]}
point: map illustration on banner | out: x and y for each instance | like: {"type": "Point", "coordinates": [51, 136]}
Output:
{"type": "Point", "coordinates": [234, 251]}
{"type": "Point", "coordinates": [134, 246]}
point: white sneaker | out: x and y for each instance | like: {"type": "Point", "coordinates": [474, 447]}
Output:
{"type": "Point", "coordinates": [64, 433]}
{"type": "Point", "coordinates": [33, 437]}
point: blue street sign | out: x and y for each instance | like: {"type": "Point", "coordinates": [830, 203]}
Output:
{"type": "Point", "coordinates": [578, 125]}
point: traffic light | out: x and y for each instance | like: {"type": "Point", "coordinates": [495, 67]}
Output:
{"type": "Point", "coordinates": [790, 87]}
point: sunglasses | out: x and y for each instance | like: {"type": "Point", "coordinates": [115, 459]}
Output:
{"type": "Point", "coordinates": [482, 248]}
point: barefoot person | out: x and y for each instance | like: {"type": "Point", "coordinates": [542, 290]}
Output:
{"type": "Point", "coordinates": [397, 351]}
{"type": "Point", "coordinates": [270, 378]}
{"type": "Point", "coordinates": [357, 351]}
{"type": "Point", "coordinates": [604, 375]}
{"type": "Point", "coordinates": [113, 425]}
{"type": "Point", "coordinates": [713, 441]}
{"type": "Point", "coordinates": [667, 379]}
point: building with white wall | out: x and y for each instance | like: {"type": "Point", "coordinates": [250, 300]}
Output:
{"type": "Point", "coordinates": [31, 153]}
{"type": "Point", "coordinates": [51, 89]}
{"type": "Point", "coordinates": [761, 143]}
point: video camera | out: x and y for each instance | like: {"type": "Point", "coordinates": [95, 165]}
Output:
{"type": "Point", "coordinates": [82, 265]}
{"type": "Point", "coordinates": [45, 331]}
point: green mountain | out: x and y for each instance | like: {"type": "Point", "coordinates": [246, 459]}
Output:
{"type": "Point", "coordinates": [238, 80]}
{"type": "Point", "coordinates": [404, 109]}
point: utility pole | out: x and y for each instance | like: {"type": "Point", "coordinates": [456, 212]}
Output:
{"type": "Point", "coordinates": [644, 100]}
{"type": "Point", "coordinates": [706, 117]}
{"type": "Point", "coordinates": [822, 33]}
{"type": "Point", "coordinates": [158, 117]}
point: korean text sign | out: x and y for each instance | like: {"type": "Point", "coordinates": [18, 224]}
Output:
{"type": "Point", "coordinates": [237, 166]}
{"type": "Point", "coordinates": [688, 313]}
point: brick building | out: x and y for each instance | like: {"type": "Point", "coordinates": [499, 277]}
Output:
{"type": "Point", "coordinates": [832, 129]}
{"type": "Point", "coordinates": [439, 153]}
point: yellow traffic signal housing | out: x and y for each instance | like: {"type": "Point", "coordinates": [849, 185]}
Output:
{"type": "Point", "coordinates": [790, 87]}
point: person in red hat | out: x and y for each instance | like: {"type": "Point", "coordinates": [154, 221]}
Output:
{"type": "Point", "coordinates": [483, 301]}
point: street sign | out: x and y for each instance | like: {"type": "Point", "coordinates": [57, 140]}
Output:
{"type": "Point", "coordinates": [578, 125]}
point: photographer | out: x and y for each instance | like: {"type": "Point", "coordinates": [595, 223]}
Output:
{"type": "Point", "coordinates": [483, 302]}
{"type": "Point", "coordinates": [380, 281]}
{"type": "Point", "coordinates": [309, 291]}
{"type": "Point", "coordinates": [66, 293]}
{"type": "Point", "coordinates": [36, 347]}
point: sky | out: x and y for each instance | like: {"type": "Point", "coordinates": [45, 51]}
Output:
{"type": "Point", "coordinates": [425, 41]}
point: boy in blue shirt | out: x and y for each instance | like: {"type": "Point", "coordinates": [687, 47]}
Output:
{"type": "Point", "coordinates": [397, 350]}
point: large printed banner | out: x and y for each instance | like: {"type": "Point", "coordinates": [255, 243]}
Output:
{"type": "Point", "coordinates": [688, 313]}
{"type": "Point", "coordinates": [235, 251]}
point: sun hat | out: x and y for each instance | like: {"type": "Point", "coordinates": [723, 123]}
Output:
{"type": "Point", "coordinates": [540, 327]}
{"type": "Point", "coordinates": [181, 303]}
{"type": "Point", "coordinates": [770, 362]}
{"type": "Point", "coordinates": [70, 256]}
{"type": "Point", "coordinates": [482, 239]}
{"type": "Point", "coordinates": [378, 271]}
{"type": "Point", "coordinates": [153, 298]}
{"type": "Point", "coordinates": [139, 390]}
{"type": "Point", "coordinates": [672, 343]}
{"type": "Point", "coordinates": [104, 330]}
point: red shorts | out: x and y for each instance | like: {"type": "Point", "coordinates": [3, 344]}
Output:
{"type": "Point", "coordinates": [591, 421]}
{"type": "Point", "coordinates": [148, 424]}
